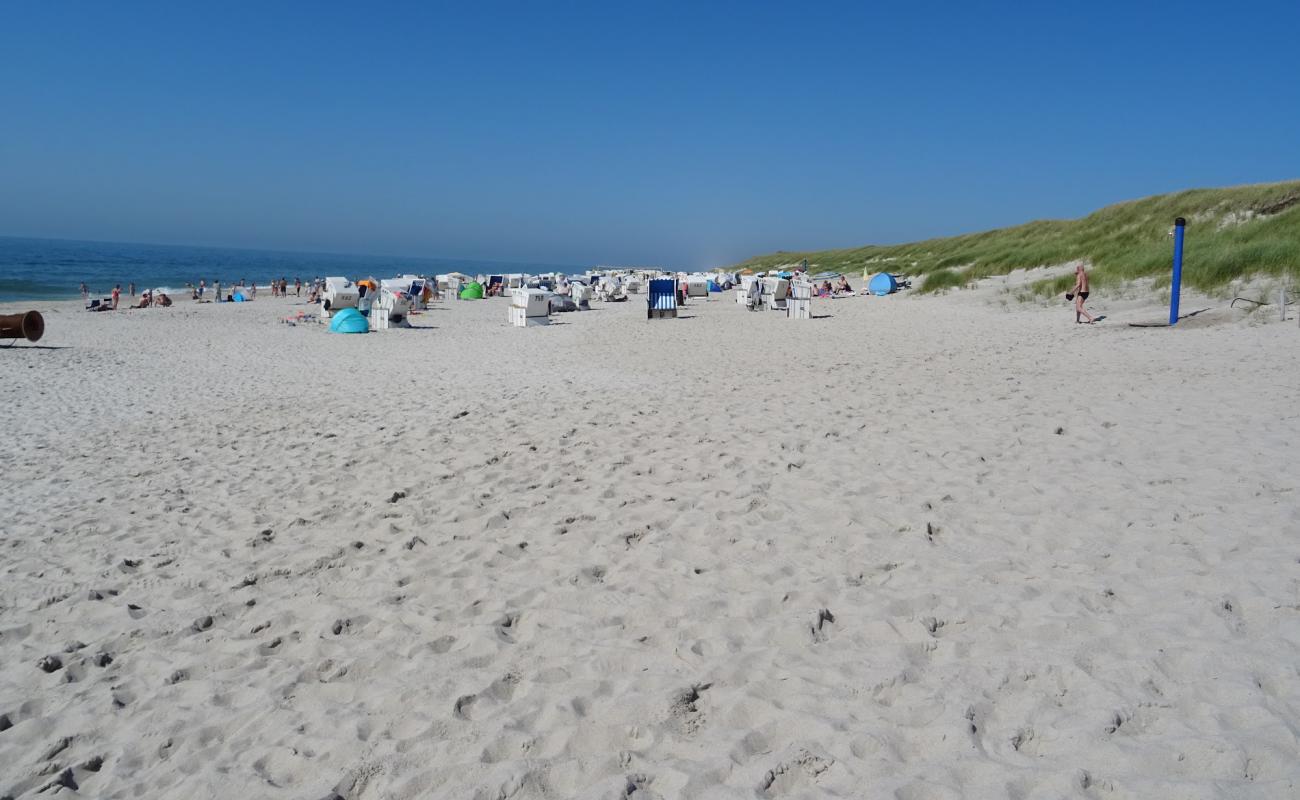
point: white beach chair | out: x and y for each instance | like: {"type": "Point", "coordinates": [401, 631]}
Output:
{"type": "Point", "coordinates": [775, 292]}
{"type": "Point", "coordinates": [799, 306]}
{"type": "Point", "coordinates": [529, 307]}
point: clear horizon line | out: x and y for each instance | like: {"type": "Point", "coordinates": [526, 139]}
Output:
{"type": "Point", "coordinates": [292, 251]}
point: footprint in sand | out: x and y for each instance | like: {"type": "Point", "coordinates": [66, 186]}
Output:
{"type": "Point", "coordinates": [685, 708]}
{"type": "Point", "coordinates": [508, 627]}
{"type": "Point", "coordinates": [464, 706]}
{"type": "Point", "coordinates": [1226, 609]}
{"type": "Point", "coordinates": [820, 627]}
{"type": "Point", "coordinates": [1021, 739]}
{"type": "Point", "coordinates": [270, 647]}
{"type": "Point", "coordinates": [798, 772]}
{"type": "Point", "coordinates": [442, 644]}
{"type": "Point", "coordinates": [589, 576]}
{"type": "Point", "coordinates": [500, 691]}
{"type": "Point", "coordinates": [637, 787]}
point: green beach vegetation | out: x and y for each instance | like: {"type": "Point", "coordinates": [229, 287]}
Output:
{"type": "Point", "coordinates": [1235, 232]}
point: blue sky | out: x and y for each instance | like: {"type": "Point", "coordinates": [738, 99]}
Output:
{"type": "Point", "coordinates": [650, 133]}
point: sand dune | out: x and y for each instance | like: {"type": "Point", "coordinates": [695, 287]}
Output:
{"type": "Point", "coordinates": [915, 548]}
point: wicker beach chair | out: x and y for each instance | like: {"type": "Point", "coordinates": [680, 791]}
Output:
{"type": "Point", "coordinates": [661, 299]}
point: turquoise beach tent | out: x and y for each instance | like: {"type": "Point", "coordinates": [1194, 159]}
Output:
{"type": "Point", "coordinates": [349, 320]}
{"type": "Point", "coordinates": [237, 297]}
{"type": "Point", "coordinates": [882, 283]}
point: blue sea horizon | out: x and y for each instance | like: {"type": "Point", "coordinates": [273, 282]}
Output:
{"type": "Point", "coordinates": [54, 269]}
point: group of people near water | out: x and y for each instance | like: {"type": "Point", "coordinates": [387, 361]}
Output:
{"type": "Point", "coordinates": [279, 288]}
{"type": "Point", "coordinates": [157, 298]}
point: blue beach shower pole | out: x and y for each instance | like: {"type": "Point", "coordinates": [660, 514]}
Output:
{"type": "Point", "coordinates": [1179, 225]}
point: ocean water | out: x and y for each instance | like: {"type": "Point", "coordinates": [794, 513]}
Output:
{"type": "Point", "coordinates": [53, 269]}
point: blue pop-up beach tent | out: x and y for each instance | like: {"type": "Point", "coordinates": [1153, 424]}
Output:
{"type": "Point", "coordinates": [882, 283]}
{"type": "Point", "coordinates": [349, 320]}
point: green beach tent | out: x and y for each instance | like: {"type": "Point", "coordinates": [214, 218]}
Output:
{"type": "Point", "coordinates": [472, 291]}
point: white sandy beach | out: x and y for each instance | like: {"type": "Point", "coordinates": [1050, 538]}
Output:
{"type": "Point", "coordinates": [917, 548]}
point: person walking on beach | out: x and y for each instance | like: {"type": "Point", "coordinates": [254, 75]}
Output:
{"type": "Point", "coordinates": [117, 294]}
{"type": "Point", "coordinates": [297, 287]}
{"type": "Point", "coordinates": [202, 286]}
{"type": "Point", "coordinates": [130, 288]}
{"type": "Point", "coordinates": [85, 293]}
{"type": "Point", "coordinates": [1080, 293]}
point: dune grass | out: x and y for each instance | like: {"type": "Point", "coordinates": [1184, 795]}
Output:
{"type": "Point", "coordinates": [1231, 233]}
{"type": "Point", "coordinates": [944, 278]}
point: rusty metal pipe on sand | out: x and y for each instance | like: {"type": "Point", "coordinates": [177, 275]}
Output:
{"type": "Point", "coordinates": [29, 326]}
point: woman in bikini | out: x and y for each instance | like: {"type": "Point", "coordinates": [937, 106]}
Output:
{"type": "Point", "coordinates": [1080, 293]}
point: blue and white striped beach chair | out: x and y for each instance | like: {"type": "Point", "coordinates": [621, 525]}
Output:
{"type": "Point", "coordinates": [662, 298]}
